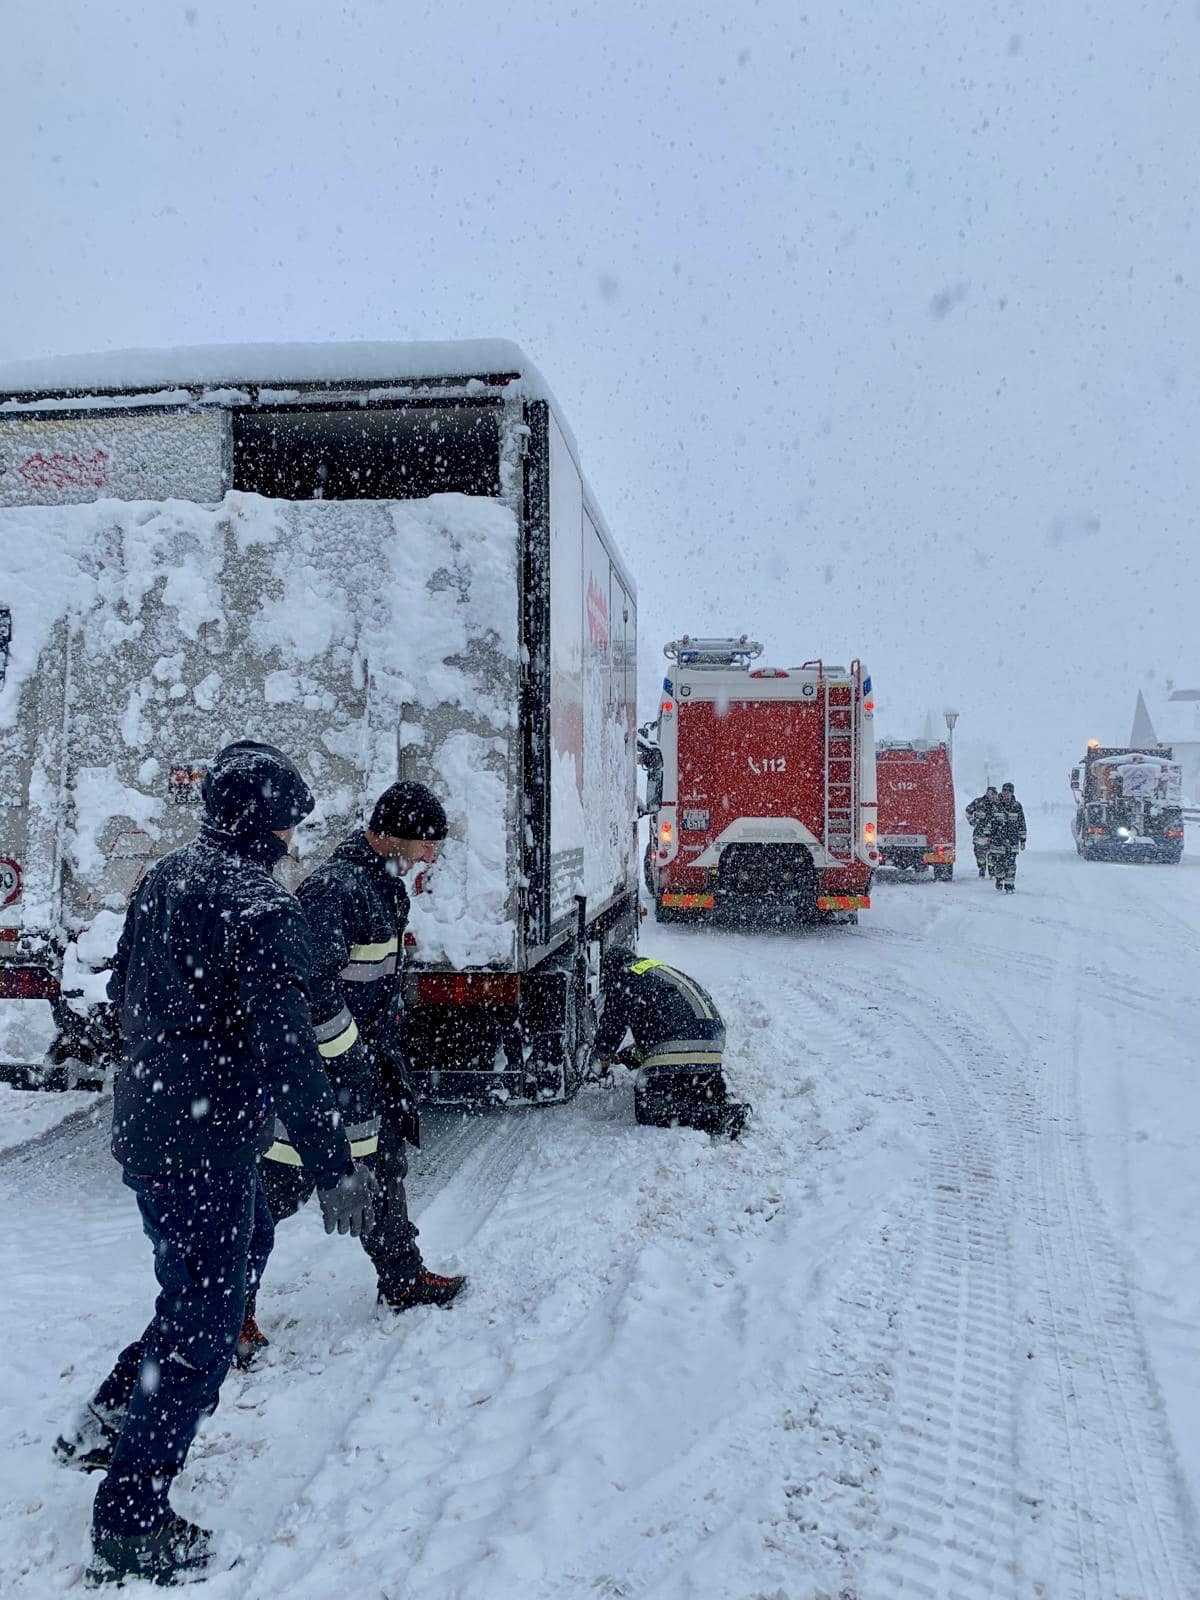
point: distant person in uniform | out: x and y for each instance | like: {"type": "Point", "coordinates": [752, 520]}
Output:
{"type": "Point", "coordinates": [1006, 836]}
{"type": "Point", "coordinates": [979, 813]}
{"type": "Point", "coordinates": [678, 1043]}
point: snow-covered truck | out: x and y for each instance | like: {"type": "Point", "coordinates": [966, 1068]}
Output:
{"type": "Point", "coordinates": [382, 558]}
{"type": "Point", "coordinates": [763, 786]}
{"type": "Point", "coordinates": [916, 806]}
{"type": "Point", "coordinates": [1128, 804]}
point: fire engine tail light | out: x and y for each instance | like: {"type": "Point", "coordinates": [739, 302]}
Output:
{"type": "Point", "coordinates": [668, 708]}
{"type": "Point", "coordinates": [1172, 833]}
{"type": "Point", "coordinates": [666, 831]}
{"type": "Point", "coordinates": [869, 833]}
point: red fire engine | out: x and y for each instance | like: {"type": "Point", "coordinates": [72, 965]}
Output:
{"type": "Point", "coordinates": [761, 786]}
{"type": "Point", "coordinates": [916, 806]}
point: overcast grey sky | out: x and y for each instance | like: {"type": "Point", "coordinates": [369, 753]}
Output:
{"type": "Point", "coordinates": [877, 325]}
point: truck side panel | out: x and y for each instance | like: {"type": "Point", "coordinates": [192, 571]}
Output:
{"type": "Point", "coordinates": [567, 826]}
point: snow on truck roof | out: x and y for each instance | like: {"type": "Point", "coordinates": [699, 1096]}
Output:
{"type": "Point", "coordinates": [226, 366]}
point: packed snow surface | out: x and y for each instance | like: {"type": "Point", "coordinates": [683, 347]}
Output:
{"type": "Point", "coordinates": [929, 1329]}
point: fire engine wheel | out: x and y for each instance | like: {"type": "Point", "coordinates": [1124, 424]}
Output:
{"type": "Point", "coordinates": [943, 874]}
{"type": "Point", "coordinates": [664, 913]}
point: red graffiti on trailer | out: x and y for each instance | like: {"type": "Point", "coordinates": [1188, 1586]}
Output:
{"type": "Point", "coordinates": [60, 471]}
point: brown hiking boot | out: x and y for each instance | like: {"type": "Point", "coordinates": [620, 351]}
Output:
{"type": "Point", "coordinates": [250, 1341]}
{"type": "Point", "coordinates": [426, 1289]}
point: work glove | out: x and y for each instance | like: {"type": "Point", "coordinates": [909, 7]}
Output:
{"type": "Point", "coordinates": [349, 1205]}
{"type": "Point", "coordinates": [1022, 844]}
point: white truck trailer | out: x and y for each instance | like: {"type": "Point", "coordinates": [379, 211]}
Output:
{"type": "Point", "coordinates": [382, 558]}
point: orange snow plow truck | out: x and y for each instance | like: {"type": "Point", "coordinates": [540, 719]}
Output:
{"type": "Point", "coordinates": [761, 786]}
{"type": "Point", "coordinates": [916, 806]}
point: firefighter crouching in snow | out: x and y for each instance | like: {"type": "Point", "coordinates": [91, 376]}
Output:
{"type": "Point", "coordinates": [978, 815]}
{"type": "Point", "coordinates": [1006, 836]}
{"type": "Point", "coordinates": [210, 978]}
{"type": "Point", "coordinates": [356, 907]}
{"type": "Point", "coordinates": [678, 1043]}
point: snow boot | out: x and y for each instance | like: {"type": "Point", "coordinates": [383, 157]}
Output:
{"type": "Point", "coordinates": [426, 1289]}
{"type": "Point", "coordinates": [178, 1552]}
{"type": "Point", "coordinates": [250, 1341]}
{"type": "Point", "coordinates": [1010, 888]}
{"type": "Point", "coordinates": [983, 872]}
{"type": "Point", "coordinates": [999, 887]}
{"type": "Point", "coordinates": [90, 1444]}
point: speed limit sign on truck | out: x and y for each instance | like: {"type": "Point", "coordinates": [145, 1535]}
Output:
{"type": "Point", "coordinates": [10, 881]}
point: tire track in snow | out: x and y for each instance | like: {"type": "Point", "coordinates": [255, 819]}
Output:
{"type": "Point", "coordinates": [1122, 1529]}
{"type": "Point", "coordinates": [468, 1177]}
{"type": "Point", "coordinates": [950, 1521]}
{"type": "Point", "coordinates": [1103, 1477]}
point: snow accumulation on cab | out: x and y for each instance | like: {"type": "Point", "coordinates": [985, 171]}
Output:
{"type": "Point", "coordinates": [354, 635]}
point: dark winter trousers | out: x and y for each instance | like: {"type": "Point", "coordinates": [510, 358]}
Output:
{"type": "Point", "coordinates": [1002, 863]}
{"type": "Point", "coordinates": [980, 841]}
{"type": "Point", "coordinates": [212, 1233]}
{"type": "Point", "coordinates": [392, 1242]}
{"type": "Point", "coordinates": [683, 1080]}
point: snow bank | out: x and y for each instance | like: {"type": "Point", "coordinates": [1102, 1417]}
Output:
{"type": "Point", "coordinates": [27, 1113]}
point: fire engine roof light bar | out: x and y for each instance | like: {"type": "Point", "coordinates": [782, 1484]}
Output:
{"type": "Point", "coordinates": [713, 653]}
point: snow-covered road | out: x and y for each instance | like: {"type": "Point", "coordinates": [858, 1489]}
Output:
{"type": "Point", "coordinates": [929, 1329]}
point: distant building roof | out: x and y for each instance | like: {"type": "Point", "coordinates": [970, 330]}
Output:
{"type": "Point", "coordinates": [1166, 715]}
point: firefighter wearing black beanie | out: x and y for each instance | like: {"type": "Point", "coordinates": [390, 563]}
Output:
{"type": "Point", "coordinates": [356, 907]}
{"type": "Point", "coordinates": [409, 811]}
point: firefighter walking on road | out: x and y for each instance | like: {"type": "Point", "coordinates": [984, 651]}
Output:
{"type": "Point", "coordinates": [357, 907]}
{"type": "Point", "coordinates": [979, 815]}
{"type": "Point", "coordinates": [210, 981]}
{"type": "Point", "coordinates": [678, 1043]}
{"type": "Point", "coordinates": [1006, 837]}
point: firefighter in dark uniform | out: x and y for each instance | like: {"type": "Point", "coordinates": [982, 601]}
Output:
{"type": "Point", "coordinates": [678, 1043]}
{"type": "Point", "coordinates": [210, 980]}
{"type": "Point", "coordinates": [978, 815]}
{"type": "Point", "coordinates": [356, 907]}
{"type": "Point", "coordinates": [1006, 837]}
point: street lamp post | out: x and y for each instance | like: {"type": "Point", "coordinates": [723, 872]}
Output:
{"type": "Point", "coordinates": [951, 718]}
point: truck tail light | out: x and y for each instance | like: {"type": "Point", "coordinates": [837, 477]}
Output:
{"type": "Point", "coordinates": [668, 706]}
{"type": "Point", "coordinates": [9, 935]}
{"type": "Point", "coordinates": [469, 989]}
{"type": "Point", "coordinates": [666, 831]}
{"type": "Point", "coordinates": [868, 705]}
{"type": "Point", "coordinates": [1095, 830]}
{"type": "Point", "coordinates": [1172, 833]}
{"type": "Point", "coordinates": [869, 832]}
{"type": "Point", "coordinates": [27, 983]}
